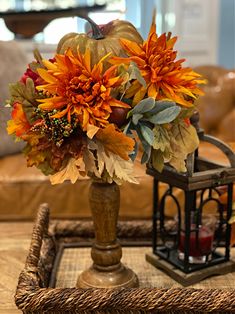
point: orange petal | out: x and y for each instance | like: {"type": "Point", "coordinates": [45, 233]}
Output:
{"type": "Point", "coordinates": [46, 76]}
{"type": "Point", "coordinates": [139, 95]}
{"type": "Point", "coordinates": [152, 91]}
{"type": "Point", "coordinates": [131, 47]}
{"type": "Point", "coordinates": [117, 103]}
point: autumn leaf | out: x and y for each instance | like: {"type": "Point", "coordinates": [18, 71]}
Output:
{"type": "Point", "coordinates": [92, 130]}
{"type": "Point", "coordinates": [35, 157]}
{"type": "Point", "coordinates": [109, 167]}
{"type": "Point", "coordinates": [118, 169]}
{"type": "Point", "coordinates": [157, 159]}
{"type": "Point", "coordinates": [74, 170]}
{"type": "Point", "coordinates": [90, 162]}
{"type": "Point", "coordinates": [115, 141]}
{"type": "Point", "coordinates": [161, 138]}
{"type": "Point", "coordinates": [19, 124]}
{"type": "Point", "coordinates": [184, 141]}
{"type": "Point", "coordinates": [23, 92]}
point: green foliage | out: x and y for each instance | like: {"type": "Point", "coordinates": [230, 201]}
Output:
{"type": "Point", "coordinates": [165, 116]}
{"type": "Point", "coordinates": [163, 133]}
{"type": "Point", "coordinates": [145, 117]}
{"type": "Point", "coordinates": [134, 74]}
{"type": "Point", "coordinates": [24, 94]}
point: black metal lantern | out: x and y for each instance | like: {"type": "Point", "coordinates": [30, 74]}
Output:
{"type": "Point", "coordinates": [199, 245]}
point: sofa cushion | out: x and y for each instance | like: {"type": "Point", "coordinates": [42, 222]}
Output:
{"type": "Point", "coordinates": [23, 189]}
{"type": "Point", "coordinates": [13, 62]}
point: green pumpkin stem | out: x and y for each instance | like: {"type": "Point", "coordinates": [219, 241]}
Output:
{"type": "Point", "coordinates": [96, 32]}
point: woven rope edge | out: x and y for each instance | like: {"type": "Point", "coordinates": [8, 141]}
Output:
{"type": "Point", "coordinates": [31, 297]}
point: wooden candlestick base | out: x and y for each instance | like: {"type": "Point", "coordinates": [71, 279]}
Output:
{"type": "Point", "coordinates": [107, 271]}
{"type": "Point", "coordinates": [121, 277]}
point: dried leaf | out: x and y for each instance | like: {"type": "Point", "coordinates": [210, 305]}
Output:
{"type": "Point", "coordinates": [35, 157]}
{"type": "Point", "coordinates": [161, 138]}
{"type": "Point", "coordinates": [96, 149]}
{"type": "Point", "coordinates": [90, 162]}
{"type": "Point", "coordinates": [119, 168]}
{"type": "Point", "coordinates": [24, 94]}
{"type": "Point", "coordinates": [157, 159]}
{"type": "Point", "coordinates": [74, 170]}
{"type": "Point", "coordinates": [110, 167]}
{"type": "Point", "coordinates": [135, 74]}
{"type": "Point", "coordinates": [115, 141]}
{"type": "Point", "coordinates": [184, 140]}
{"type": "Point", "coordinates": [91, 130]}
{"type": "Point", "coordinates": [21, 92]}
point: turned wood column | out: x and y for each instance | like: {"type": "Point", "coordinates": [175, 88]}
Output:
{"type": "Point", "coordinates": [107, 270]}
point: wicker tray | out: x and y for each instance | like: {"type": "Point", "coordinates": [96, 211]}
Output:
{"type": "Point", "coordinates": [37, 291]}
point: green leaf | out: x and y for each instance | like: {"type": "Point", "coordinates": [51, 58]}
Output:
{"type": "Point", "coordinates": [135, 74]}
{"type": "Point", "coordinates": [165, 116]}
{"type": "Point", "coordinates": [135, 152]}
{"type": "Point", "coordinates": [127, 128]}
{"type": "Point", "coordinates": [146, 145]}
{"type": "Point", "coordinates": [136, 117]}
{"type": "Point", "coordinates": [161, 105]}
{"type": "Point", "coordinates": [146, 156]}
{"type": "Point", "coordinates": [24, 94]}
{"type": "Point", "coordinates": [186, 113]}
{"type": "Point", "coordinates": [147, 134]}
{"type": "Point", "coordinates": [157, 160]}
{"type": "Point", "coordinates": [21, 92]}
{"type": "Point", "coordinates": [161, 138]}
{"type": "Point", "coordinates": [143, 106]}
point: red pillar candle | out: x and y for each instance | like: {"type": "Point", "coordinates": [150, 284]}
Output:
{"type": "Point", "coordinates": [200, 243]}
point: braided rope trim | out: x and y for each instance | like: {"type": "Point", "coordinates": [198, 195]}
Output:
{"type": "Point", "coordinates": [33, 296]}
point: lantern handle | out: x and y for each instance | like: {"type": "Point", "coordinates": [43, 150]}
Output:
{"type": "Point", "coordinates": [221, 145]}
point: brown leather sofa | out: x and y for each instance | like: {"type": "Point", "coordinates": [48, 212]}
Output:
{"type": "Point", "coordinates": [22, 189]}
{"type": "Point", "coordinates": [217, 106]}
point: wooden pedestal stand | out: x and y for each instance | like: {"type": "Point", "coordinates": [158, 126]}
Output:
{"type": "Point", "coordinates": [107, 271]}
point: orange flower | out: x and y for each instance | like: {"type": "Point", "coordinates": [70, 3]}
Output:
{"type": "Point", "coordinates": [165, 78]}
{"type": "Point", "coordinates": [19, 124]}
{"type": "Point", "coordinates": [75, 89]}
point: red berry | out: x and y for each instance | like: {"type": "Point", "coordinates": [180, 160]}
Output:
{"type": "Point", "coordinates": [118, 116]}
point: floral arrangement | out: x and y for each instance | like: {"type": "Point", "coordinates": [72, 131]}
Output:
{"type": "Point", "coordinates": [103, 95]}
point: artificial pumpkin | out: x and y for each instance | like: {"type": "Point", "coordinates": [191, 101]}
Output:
{"type": "Point", "coordinates": [104, 39]}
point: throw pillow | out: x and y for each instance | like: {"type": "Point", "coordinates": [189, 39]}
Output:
{"type": "Point", "coordinates": [13, 62]}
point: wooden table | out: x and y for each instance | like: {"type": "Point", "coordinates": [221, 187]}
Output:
{"type": "Point", "coordinates": [14, 245]}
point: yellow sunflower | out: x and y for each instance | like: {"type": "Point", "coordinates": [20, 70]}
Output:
{"type": "Point", "coordinates": [165, 77]}
{"type": "Point", "coordinates": [73, 88]}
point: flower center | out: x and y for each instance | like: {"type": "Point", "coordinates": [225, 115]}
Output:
{"type": "Point", "coordinates": [86, 92]}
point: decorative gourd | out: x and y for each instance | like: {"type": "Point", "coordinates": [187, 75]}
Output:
{"type": "Point", "coordinates": [104, 39]}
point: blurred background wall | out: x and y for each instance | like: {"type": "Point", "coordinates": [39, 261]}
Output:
{"type": "Point", "coordinates": [226, 48]}
{"type": "Point", "coordinates": [206, 28]}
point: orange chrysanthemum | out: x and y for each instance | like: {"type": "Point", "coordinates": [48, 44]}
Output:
{"type": "Point", "coordinates": [165, 77]}
{"type": "Point", "coordinates": [75, 89]}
